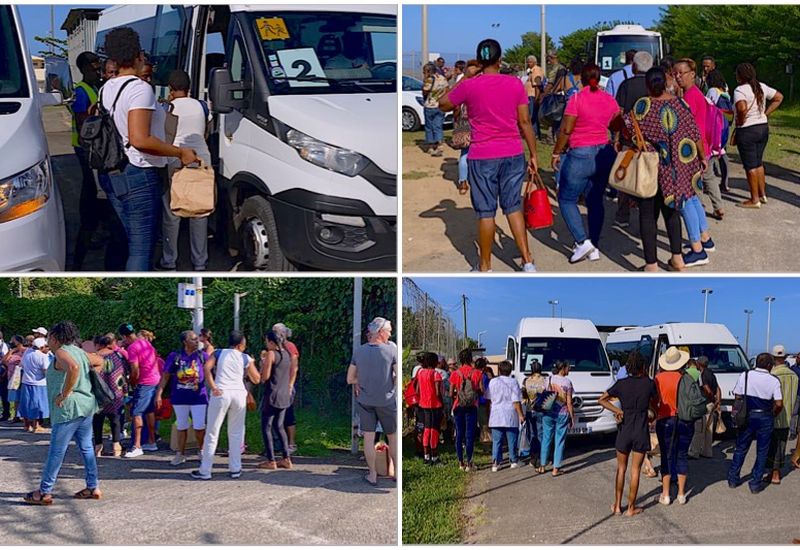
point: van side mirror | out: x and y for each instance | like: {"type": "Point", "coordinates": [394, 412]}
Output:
{"type": "Point", "coordinates": [222, 92]}
{"type": "Point", "coordinates": [49, 99]}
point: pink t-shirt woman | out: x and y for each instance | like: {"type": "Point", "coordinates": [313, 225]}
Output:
{"type": "Point", "coordinates": [593, 111]}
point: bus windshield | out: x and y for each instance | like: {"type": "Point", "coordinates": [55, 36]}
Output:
{"type": "Point", "coordinates": [582, 354]}
{"type": "Point", "coordinates": [327, 52]}
{"type": "Point", "coordinates": [13, 79]}
{"type": "Point", "coordinates": [611, 49]}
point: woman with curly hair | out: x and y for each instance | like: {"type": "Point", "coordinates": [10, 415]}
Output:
{"type": "Point", "coordinates": [72, 409]}
{"type": "Point", "coordinates": [135, 191]}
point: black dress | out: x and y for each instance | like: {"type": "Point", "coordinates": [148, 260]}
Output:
{"type": "Point", "coordinates": [634, 394]}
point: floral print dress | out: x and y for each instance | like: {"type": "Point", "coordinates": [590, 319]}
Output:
{"type": "Point", "coordinates": [669, 126]}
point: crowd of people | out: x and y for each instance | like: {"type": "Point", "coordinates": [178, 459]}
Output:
{"type": "Point", "coordinates": [674, 415]}
{"type": "Point", "coordinates": [685, 112]}
{"type": "Point", "coordinates": [160, 137]}
{"type": "Point", "coordinates": [120, 377]}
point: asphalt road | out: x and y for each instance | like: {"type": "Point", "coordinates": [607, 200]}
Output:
{"type": "Point", "coordinates": [440, 233]}
{"type": "Point", "coordinates": [523, 507]}
{"type": "Point", "coordinates": [68, 177]}
{"type": "Point", "coordinates": [147, 501]}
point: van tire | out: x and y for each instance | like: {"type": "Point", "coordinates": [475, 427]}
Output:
{"type": "Point", "coordinates": [258, 231]}
{"type": "Point", "coordinates": [410, 120]}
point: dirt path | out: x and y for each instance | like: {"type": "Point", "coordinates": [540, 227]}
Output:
{"type": "Point", "coordinates": [439, 227]}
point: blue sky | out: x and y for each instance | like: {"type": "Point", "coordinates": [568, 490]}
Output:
{"type": "Point", "coordinates": [496, 304]}
{"type": "Point", "coordinates": [36, 22]}
{"type": "Point", "coordinates": [458, 29]}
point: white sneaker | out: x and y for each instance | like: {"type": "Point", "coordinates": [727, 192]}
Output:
{"type": "Point", "coordinates": [663, 500]}
{"type": "Point", "coordinates": [494, 467]}
{"type": "Point", "coordinates": [594, 255]}
{"type": "Point", "coordinates": [681, 499]}
{"type": "Point", "coordinates": [581, 251]}
{"type": "Point", "coordinates": [151, 447]}
{"type": "Point", "coordinates": [177, 460]}
{"type": "Point", "coordinates": [530, 267]}
{"type": "Point", "coordinates": [133, 453]}
{"type": "Point", "coordinates": [514, 465]}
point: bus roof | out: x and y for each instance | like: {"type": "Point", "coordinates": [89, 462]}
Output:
{"type": "Point", "coordinates": [680, 333]}
{"type": "Point", "coordinates": [551, 327]}
{"type": "Point", "coordinates": [627, 30]}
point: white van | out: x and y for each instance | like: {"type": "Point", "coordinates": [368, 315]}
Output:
{"type": "Point", "coordinates": [305, 133]}
{"type": "Point", "coordinates": [577, 342]}
{"type": "Point", "coordinates": [726, 358]}
{"type": "Point", "coordinates": [31, 215]}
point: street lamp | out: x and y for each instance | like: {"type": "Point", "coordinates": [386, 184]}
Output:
{"type": "Point", "coordinates": [747, 312]}
{"type": "Point", "coordinates": [553, 304]}
{"type": "Point", "coordinates": [706, 292]}
{"type": "Point", "coordinates": [479, 337]}
{"type": "Point", "coordinates": [769, 300]}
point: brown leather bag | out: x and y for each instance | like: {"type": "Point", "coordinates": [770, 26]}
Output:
{"type": "Point", "coordinates": [635, 170]}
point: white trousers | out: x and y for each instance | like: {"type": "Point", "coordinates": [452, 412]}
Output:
{"type": "Point", "coordinates": [232, 403]}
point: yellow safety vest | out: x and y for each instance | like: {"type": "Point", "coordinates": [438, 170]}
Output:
{"type": "Point", "coordinates": [92, 93]}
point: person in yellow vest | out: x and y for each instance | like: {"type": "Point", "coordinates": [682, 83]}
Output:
{"type": "Point", "coordinates": [85, 97]}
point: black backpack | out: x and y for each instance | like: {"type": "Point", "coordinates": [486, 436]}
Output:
{"type": "Point", "coordinates": [101, 140]}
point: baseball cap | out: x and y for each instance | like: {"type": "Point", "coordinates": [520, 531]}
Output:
{"type": "Point", "coordinates": [39, 343]}
{"type": "Point", "coordinates": [778, 351]}
{"type": "Point", "coordinates": [40, 330]}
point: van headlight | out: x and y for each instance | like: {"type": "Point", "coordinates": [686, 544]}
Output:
{"type": "Point", "coordinates": [25, 193]}
{"type": "Point", "coordinates": [322, 154]}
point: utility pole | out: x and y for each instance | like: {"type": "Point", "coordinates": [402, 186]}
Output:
{"type": "Point", "coordinates": [237, 297]}
{"type": "Point", "coordinates": [425, 322]}
{"type": "Point", "coordinates": [747, 312]}
{"type": "Point", "coordinates": [553, 304]}
{"type": "Point", "coordinates": [543, 45]}
{"type": "Point", "coordinates": [424, 35]}
{"type": "Point", "coordinates": [769, 300]}
{"type": "Point", "coordinates": [479, 337]}
{"type": "Point", "coordinates": [197, 317]}
{"type": "Point", "coordinates": [52, 27]}
{"type": "Point", "coordinates": [356, 344]}
{"type": "Point", "coordinates": [464, 306]}
{"type": "Point", "coordinates": [706, 292]}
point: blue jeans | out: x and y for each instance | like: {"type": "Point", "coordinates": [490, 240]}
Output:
{"type": "Point", "coordinates": [759, 427]}
{"type": "Point", "coordinates": [80, 430]}
{"type": "Point", "coordinates": [497, 179]}
{"type": "Point", "coordinates": [534, 420]}
{"type": "Point", "coordinates": [135, 194]}
{"type": "Point", "coordinates": [511, 435]}
{"type": "Point", "coordinates": [694, 217]}
{"type": "Point", "coordinates": [463, 172]}
{"type": "Point", "coordinates": [466, 425]}
{"type": "Point", "coordinates": [533, 110]}
{"type": "Point", "coordinates": [434, 122]}
{"type": "Point", "coordinates": [554, 427]}
{"type": "Point", "coordinates": [674, 457]}
{"type": "Point", "coordinates": [585, 171]}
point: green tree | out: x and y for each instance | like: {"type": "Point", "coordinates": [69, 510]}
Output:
{"type": "Point", "coordinates": [574, 45]}
{"type": "Point", "coordinates": [55, 46]}
{"type": "Point", "coordinates": [530, 45]}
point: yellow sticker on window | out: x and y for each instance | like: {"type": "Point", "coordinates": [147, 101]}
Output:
{"type": "Point", "coordinates": [272, 28]}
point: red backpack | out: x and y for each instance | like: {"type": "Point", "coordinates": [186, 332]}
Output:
{"type": "Point", "coordinates": [410, 394]}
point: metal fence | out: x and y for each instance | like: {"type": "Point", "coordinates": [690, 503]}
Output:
{"type": "Point", "coordinates": [412, 61]}
{"type": "Point", "coordinates": [427, 324]}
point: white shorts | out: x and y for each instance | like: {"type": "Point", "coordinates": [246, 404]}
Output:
{"type": "Point", "coordinates": [198, 413]}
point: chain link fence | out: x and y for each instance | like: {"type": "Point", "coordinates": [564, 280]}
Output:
{"type": "Point", "coordinates": [429, 325]}
{"type": "Point", "coordinates": [413, 61]}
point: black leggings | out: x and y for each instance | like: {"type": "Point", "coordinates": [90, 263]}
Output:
{"type": "Point", "coordinates": [270, 416]}
{"type": "Point", "coordinates": [649, 210]}
{"type": "Point", "coordinates": [97, 425]}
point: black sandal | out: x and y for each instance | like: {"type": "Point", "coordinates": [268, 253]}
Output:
{"type": "Point", "coordinates": [43, 500]}
{"type": "Point", "coordinates": [88, 494]}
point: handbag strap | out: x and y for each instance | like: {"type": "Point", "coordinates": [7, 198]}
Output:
{"type": "Point", "coordinates": [534, 182]}
{"type": "Point", "coordinates": [639, 142]}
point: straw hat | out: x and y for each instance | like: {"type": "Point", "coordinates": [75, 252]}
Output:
{"type": "Point", "coordinates": [673, 359]}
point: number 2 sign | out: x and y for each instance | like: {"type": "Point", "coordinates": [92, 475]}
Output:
{"type": "Point", "coordinates": [301, 63]}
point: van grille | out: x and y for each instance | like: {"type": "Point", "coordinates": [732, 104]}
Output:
{"type": "Point", "coordinates": [586, 404]}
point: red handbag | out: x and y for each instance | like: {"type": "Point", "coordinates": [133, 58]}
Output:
{"type": "Point", "coordinates": [410, 394]}
{"type": "Point", "coordinates": [538, 213]}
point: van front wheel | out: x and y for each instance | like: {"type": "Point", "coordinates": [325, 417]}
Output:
{"type": "Point", "coordinates": [259, 237]}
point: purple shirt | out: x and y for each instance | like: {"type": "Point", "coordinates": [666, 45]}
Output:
{"type": "Point", "coordinates": [187, 378]}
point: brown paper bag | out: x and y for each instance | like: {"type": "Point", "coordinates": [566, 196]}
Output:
{"type": "Point", "coordinates": [193, 192]}
{"type": "Point", "coordinates": [382, 459]}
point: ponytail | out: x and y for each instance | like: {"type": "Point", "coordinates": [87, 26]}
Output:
{"type": "Point", "coordinates": [590, 76]}
{"type": "Point", "coordinates": [747, 74]}
{"type": "Point", "coordinates": [593, 84]}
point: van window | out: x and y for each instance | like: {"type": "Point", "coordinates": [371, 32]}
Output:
{"type": "Point", "coordinates": [582, 354]}
{"type": "Point", "coordinates": [165, 53]}
{"type": "Point", "coordinates": [619, 351]}
{"type": "Point", "coordinates": [327, 52]}
{"type": "Point", "coordinates": [13, 79]}
{"type": "Point", "coordinates": [511, 352]}
{"type": "Point", "coordinates": [722, 358]}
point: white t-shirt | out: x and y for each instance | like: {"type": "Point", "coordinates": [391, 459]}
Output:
{"type": "Point", "coordinates": [34, 367]}
{"type": "Point", "coordinates": [503, 392]}
{"type": "Point", "coordinates": [231, 365]}
{"type": "Point", "coordinates": [136, 95]}
{"type": "Point", "coordinates": [755, 113]}
{"type": "Point", "coordinates": [191, 128]}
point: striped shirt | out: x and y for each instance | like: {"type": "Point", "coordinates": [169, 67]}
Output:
{"type": "Point", "coordinates": [789, 383]}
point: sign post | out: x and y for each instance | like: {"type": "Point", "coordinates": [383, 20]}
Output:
{"type": "Point", "coordinates": [356, 343]}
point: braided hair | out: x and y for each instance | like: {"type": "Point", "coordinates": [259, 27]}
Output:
{"type": "Point", "coordinates": [746, 74]}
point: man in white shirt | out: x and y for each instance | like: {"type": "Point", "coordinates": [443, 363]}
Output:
{"type": "Point", "coordinates": [762, 393]}
{"type": "Point", "coordinates": [618, 77]}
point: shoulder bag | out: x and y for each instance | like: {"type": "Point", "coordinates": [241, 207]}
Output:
{"type": "Point", "coordinates": [462, 131]}
{"type": "Point", "coordinates": [739, 409]}
{"type": "Point", "coordinates": [635, 170]}
{"type": "Point", "coordinates": [551, 109]}
{"type": "Point", "coordinates": [545, 400]}
{"type": "Point", "coordinates": [538, 212]}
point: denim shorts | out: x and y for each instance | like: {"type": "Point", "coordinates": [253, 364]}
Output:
{"type": "Point", "coordinates": [144, 400]}
{"type": "Point", "coordinates": [496, 179]}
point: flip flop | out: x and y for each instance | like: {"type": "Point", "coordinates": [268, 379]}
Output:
{"type": "Point", "coordinates": [373, 483]}
{"type": "Point", "coordinates": [43, 500]}
{"type": "Point", "coordinates": [87, 494]}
